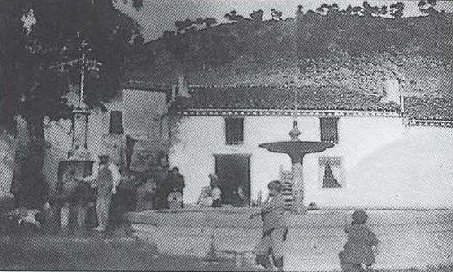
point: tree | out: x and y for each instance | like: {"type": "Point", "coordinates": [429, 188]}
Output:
{"type": "Point", "coordinates": [370, 11]}
{"type": "Point", "coordinates": [209, 22]}
{"type": "Point", "coordinates": [257, 15]}
{"type": "Point", "coordinates": [326, 9]}
{"type": "Point", "coordinates": [323, 8]}
{"type": "Point", "coordinates": [185, 25]}
{"type": "Point", "coordinates": [383, 10]}
{"type": "Point", "coordinates": [428, 7]}
{"type": "Point", "coordinates": [276, 15]}
{"type": "Point", "coordinates": [233, 16]}
{"type": "Point", "coordinates": [396, 10]}
{"type": "Point", "coordinates": [33, 81]}
{"type": "Point", "coordinates": [357, 10]}
{"type": "Point", "coordinates": [300, 10]}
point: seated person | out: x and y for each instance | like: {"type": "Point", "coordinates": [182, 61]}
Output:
{"type": "Point", "coordinates": [211, 196]}
{"type": "Point", "coordinates": [146, 194]}
{"type": "Point", "coordinates": [238, 197]}
{"type": "Point", "coordinates": [175, 200]}
{"type": "Point", "coordinates": [205, 198]}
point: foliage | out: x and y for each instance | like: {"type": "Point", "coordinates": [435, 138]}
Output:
{"type": "Point", "coordinates": [34, 78]}
{"type": "Point", "coordinates": [56, 36]}
{"type": "Point", "coordinates": [396, 10]}
{"type": "Point", "coordinates": [276, 15]}
{"type": "Point", "coordinates": [257, 15]}
{"type": "Point", "coordinates": [233, 16]}
{"type": "Point", "coordinates": [350, 49]}
{"type": "Point", "coordinates": [428, 7]}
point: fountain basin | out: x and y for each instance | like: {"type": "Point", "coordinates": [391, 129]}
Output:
{"type": "Point", "coordinates": [296, 149]}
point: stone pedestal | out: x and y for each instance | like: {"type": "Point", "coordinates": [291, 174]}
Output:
{"type": "Point", "coordinates": [80, 129]}
{"type": "Point", "coordinates": [298, 187]}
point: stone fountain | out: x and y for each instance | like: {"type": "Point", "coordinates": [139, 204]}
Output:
{"type": "Point", "coordinates": [297, 149]}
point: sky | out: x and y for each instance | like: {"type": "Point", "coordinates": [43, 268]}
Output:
{"type": "Point", "coordinates": [160, 15]}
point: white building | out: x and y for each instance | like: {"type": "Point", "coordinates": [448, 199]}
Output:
{"type": "Point", "coordinates": [380, 158]}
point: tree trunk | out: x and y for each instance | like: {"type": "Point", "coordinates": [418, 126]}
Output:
{"type": "Point", "coordinates": [31, 189]}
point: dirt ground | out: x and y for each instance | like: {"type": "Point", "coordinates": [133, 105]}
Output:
{"type": "Point", "coordinates": [44, 252]}
{"type": "Point", "coordinates": [95, 253]}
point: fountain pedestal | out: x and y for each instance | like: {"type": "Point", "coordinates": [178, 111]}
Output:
{"type": "Point", "coordinates": [297, 149]}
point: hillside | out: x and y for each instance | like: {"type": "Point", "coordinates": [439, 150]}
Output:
{"type": "Point", "coordinates": [353, 53]}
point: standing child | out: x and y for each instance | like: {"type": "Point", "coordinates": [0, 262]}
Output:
{"type": "Point", "coordinates": [359, 249]}
{"type": "Point", "coordinates": [274, 228]}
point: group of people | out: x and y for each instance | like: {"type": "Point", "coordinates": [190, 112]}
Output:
{"type": "Point", "coordinates": [169, 189]}
{"type": "Point", "coordinates": [77, 194]}
{"type": "Point", "coordinates": [212, 195]}
{"type": "Point", "coordinates": [358, 253]}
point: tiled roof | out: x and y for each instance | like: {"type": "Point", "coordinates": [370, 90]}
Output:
{"type": "Point", "coordinates": [282, 98]}
{"type": "Point", "coordinates": [429, 108]}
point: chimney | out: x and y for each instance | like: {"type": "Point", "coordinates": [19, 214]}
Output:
{"type": "Point", "coordinates": [183, 90]}
{"type": "Point", "coordinates": [174, 92]}
{"type": "Point", "coordinates": [392, 91]}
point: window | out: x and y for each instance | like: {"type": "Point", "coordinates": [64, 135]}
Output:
{"type": "Point", "coordinates": [329, 129]}
{"type": "Point", "coordinates": [234, 130]}
{"type": "Point", "coordinates": [331, 172]}
{"type": "Point", "coordinates": [116, 122]}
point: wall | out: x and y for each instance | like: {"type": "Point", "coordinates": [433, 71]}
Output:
{"type": "Point", "coordinates": [142, 112]}
{"type": "Point", "coordinates": [385, 163]}
{"type": "Point", "coordinates": [58, 136]}
{"type": "Point", "coordinates": [7, 148]}
{"type": "Point", "coordinates": [139, 108]}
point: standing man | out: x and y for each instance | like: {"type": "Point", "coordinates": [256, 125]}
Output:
{"type": "Point", "coordinates": [163, 186]}
{"type": "Point", "coordinates": [105, 178]}
{"type": "Point", "coordinates": [274, 228]}
{"type": "Point", "coordinates": [177, 183]}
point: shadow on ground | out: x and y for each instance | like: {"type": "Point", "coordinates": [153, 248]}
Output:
{"type": "Point", "coordinates": [45, 252]}
{"type": "Point", "coordinates": [95, 253]}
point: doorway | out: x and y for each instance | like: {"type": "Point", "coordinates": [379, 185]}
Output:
{"type": "Point", "coordinates": [234, 172]}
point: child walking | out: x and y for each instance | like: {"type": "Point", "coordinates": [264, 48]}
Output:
{"type": "Point", "coordinates": [359, 250]}
{"type": "Point", "coordinates": [274, 228]}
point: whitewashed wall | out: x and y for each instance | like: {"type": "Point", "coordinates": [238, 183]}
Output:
{"type": "Point", "coordinates": [386, 164]}
{"type": "Point", "coordinates": [139, 109]}
{"type": "Point", "coordinates": [142, 112]}
{"type": "Point", "coordinates": [7, 148]}
{"type": "Point", "coordinates": [58, 136]}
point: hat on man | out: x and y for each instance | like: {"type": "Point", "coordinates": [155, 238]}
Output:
{"type": "Point", "coordinates": [275, 184]}
{"type": "Point", "coordinates": [359, 216]}
{"type": "Point", "coordinates": [103, 158]}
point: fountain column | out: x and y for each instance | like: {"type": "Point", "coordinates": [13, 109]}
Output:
{"type": "Point", "coordinates": [297, 169]}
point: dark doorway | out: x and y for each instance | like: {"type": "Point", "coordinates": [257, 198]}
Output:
{"type": "Point", "coordinates": [234, 172]}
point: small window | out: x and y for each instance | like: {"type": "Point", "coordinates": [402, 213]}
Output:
{"type": "Point", "coordinates": [331, 172]}
{"type": "Point", "coordinates": [116, 122]}
{"type": "Point", "coordinates": [329, 129]}
{"type": "Point", "coordinates": [234, 130]}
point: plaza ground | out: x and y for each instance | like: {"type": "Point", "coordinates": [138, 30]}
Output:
{"type": "Point", "coordinates": [409, 238]}
{"type": "Point", "coordinates": [410, 241]}
{"type": "Point", "coordinates": [97, 253]}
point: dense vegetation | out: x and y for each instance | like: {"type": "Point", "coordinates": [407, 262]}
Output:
{"type": "Point", "coordinates": [354, 49]}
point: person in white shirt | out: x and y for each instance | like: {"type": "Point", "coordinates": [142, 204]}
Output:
{"type": "Point", "coordinates": [116, 176]}
{"type": "Point", "coordinates": [216, 193]}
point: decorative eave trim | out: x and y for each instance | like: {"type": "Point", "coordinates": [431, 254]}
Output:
{"type": "Point", "coordinates": [430, 123]}
{"type": "Point", "coordinates": [274, 112]}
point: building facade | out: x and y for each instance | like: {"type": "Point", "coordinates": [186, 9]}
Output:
{"type": "Point", "coordinates": [380, 159]}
